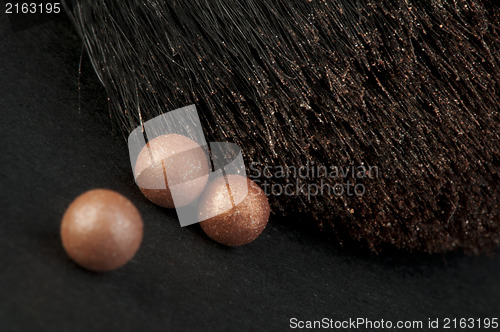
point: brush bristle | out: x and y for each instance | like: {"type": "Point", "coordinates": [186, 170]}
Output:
{"type": "Point", "coordinates": [409, 87]}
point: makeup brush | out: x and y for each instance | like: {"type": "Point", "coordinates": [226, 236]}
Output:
{"type": "Point", "coordinates": [396, 101]}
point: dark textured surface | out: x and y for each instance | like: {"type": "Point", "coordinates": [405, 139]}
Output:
{"type": "Point", "coordinates": [179, 280]}
{"type": "Point", "coordinates": [410, 87]}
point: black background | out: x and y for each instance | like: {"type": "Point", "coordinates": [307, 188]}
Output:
{"type": "Point", "coordinates": [58, 141]}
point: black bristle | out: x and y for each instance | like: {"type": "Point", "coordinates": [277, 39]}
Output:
{"type": "Point", "coordinates": [411, 87]}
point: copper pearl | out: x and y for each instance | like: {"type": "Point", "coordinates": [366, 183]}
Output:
{"type": "Point", "coordinates": [101, 230]}
{"type": "Point", "coordinates": [241, 223]}
{"type": "Point", "coordinates": [178, 158]}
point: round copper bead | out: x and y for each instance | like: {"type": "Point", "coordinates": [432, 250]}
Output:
{"type": "Point", "coordinates": [236, 219]}
{"type": "Point", "coordinates": [101, 230]}
{"type": "Point", "coordinates": [178, 158]}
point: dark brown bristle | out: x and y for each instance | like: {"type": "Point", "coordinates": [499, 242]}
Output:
{"type": "Point", "coordinates": [409, 87]}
